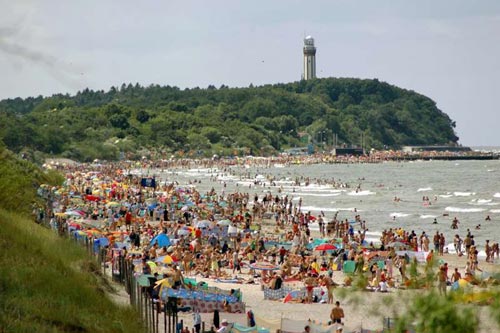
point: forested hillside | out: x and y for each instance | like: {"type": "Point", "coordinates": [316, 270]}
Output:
{"type": "Point", "coordinates": [195, 122]}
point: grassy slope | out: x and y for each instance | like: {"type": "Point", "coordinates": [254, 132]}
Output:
{"type": "Point", "coordinates": [48, 284]}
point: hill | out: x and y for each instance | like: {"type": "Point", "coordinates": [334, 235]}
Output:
{"type": "Point", "coordinates": [47, 284]}
{"type": "Point", "coordinates": [254, 120]}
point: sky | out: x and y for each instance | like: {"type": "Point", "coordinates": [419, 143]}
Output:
{"type": "Point", "coordinates": [448, 50]}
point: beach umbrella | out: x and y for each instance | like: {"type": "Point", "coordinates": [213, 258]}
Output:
{"type": "Point", "coordinates": [325, 247]}
{"type": "Point", "coordinates": [74, 225]}
{"type": "Point", "coordinates": [93, 232]}
{"type": "Point", "coordinates": [224, 223]}
{"type": "Point", "coordinates": [151, 200]}
{"type": "Point", "coordinates": [166, 259]}
{"type": "Point", "coordinates": [75, 213]}
{"type": "Point", "coordinates": [152, 265]}
{"type": "Point", "coordinates": [143, 280]}
{"type": "Point", "coordinates": [163, 283]}
{"type": "Point", "coordinates": [92, 198]}
{"type": "Point", "coordinates": [203, 224]}
{"type": "Point", "coordinates": [264, 266]}
{"type": "Point", "coordinates": [183, 232]}
{"type": "Point", "coordinates": [161, 239]}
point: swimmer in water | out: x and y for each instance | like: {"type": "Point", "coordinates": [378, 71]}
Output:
{"type": "Point", "coordinates": [435, 221]}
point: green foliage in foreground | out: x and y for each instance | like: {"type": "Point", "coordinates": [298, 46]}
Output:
{"type": "Point", "coordinates": [254, 120]}
{"type": "Point", "coordinates": [434, 313]}
{"type": "Point", "coordinates": [19, 181]}
{"type": "Point", "coordinates": [47, 284]}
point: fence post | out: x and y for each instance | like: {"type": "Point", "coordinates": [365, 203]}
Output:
{"type": "Point", "coordinates": [146, 313]}
{"type": "Point", "coordinates": [165, 320]}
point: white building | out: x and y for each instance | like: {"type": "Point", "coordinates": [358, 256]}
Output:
{"type": "Point", "coordinates": [309, 58]}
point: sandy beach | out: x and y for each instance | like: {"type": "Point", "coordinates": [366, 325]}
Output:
{"type": "Point", "coordinates": [363, 309]}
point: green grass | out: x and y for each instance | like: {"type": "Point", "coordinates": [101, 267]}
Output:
{"type": "Point", "coordinates": [47, 283]}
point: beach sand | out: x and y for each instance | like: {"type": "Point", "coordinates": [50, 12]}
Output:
{"type": "Point", "coordinates": [363, 309]}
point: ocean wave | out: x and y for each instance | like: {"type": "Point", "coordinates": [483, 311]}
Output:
{"type": "Point", "coordinates": [366, 192]}
{"type": "Point", "coordinates": [399, 215]}
{"type": "Point", "coordinates": [463, 210]}
{"type": "Point", "coordinates": [248, 183]}
{"type": "Point", "coordinates": [373, 240]}
{"type": "Point", "coordinates": [483, 202]}
{"type": "Point", "coordinates": [463, 194]}
{"type": "Point", "coordinates": [302, 194]}
{"type": "Point", "coordinates": [445, 195]}
{"type": "Point", "coordinates": [496, 195]}
{"type": "Point", "coordinates": [324, 209]}
{"type": "Point", "coordinates": [494, 210]}
{"type": "Point", "coordinates": [424, 189]}
{"type": "Point", "coordinates": [374, 233]}
{"type": "Point", "coordinates": [428, 216]}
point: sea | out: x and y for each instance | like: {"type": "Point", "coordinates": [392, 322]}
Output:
{"type": "Point", "coordinates": [466, 190]}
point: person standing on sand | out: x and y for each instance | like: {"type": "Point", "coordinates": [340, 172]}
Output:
{"type": "Point", "coordinates": [329, 285]}
{"type": "Point", "coordinates": [197, 321]}
{"type": "Point", "coordinates": [442, 278]}
{"type": "Point", "coordinates": [336, 316]}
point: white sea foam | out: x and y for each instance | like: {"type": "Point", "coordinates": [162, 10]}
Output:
{"type": "Point", "coordinates": [483, 202]}
{"type": "Point", "coordinates": [373, 240]}
{"type": "Point", "coordinates": [445, 195]}
{"type": "Point", "coordinates": [496, 195]}
{"type": "Point", "coordinates": [393, 215]}
{"type": "Point", "coordinates": [428, 216]}
{"type": "Point", "coordinates": [243, 183]}
{"type": "Point", "coordinates": [463, 194]}
{"type": "Point", "coordinates": [495, 211]}
{"type": "Point", "coordinates": [424, 189]}
{"type": "Point", "coordinates": [325, 209]}
{"type": "Point", "coordinates": [463, 210]}
{"type": "Point", "coordinates": [302, 194]}
{"type": "Point", "coordinates": [374, 233]}
{"type": "Point", "coordinates": [361, 193]}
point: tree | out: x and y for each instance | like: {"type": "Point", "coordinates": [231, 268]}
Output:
{"type": "Point", "coordinates": [119, 121]}
{"type": "Point", "coordinates": [142, 116]}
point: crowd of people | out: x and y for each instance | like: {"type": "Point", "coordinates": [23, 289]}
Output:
{"type": "Point", "coordinates": [223, 235]}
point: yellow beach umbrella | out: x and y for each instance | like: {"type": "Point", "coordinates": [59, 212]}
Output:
{"type": "Point", "coordinates": [168, 260]}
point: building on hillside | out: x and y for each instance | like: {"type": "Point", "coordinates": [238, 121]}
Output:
{"type": "Point", "coordinates": [309, 58]}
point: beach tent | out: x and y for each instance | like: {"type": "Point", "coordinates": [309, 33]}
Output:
{"type": "Point", "coordinates": [161, 239]}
